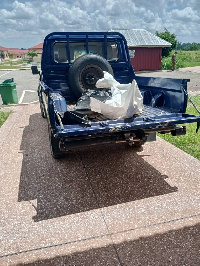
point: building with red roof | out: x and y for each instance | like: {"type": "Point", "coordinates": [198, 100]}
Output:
{"type": "Point", "coordinates": [12, 53]}
{"type": "Point", "coordinates": [15, 53]}
{"type": "Point", "coordinates": [3, 48]}
{"type": "Point", "coordinates": [38, 48]}
{"type": "Point", "coordinates": [3, 53]}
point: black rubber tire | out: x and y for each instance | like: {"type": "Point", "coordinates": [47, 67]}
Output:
{"type": "Point", "coordinates": [139, 143]}
{"type": "Point", "coordinates": [85, 71]}
{"type": "Point", "coordinates": [54, 146]}
{"type": "Point", "coordinates": [42, 108]}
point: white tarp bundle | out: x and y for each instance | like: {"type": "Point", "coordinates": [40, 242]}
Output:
{"type": "Point", "coordinates": [126, 99]}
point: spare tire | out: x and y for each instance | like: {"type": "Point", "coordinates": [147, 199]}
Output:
{"type": "Point", "coordinates": [85, 71]}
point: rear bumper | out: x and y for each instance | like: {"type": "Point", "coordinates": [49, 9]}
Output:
{"type": "Point", "coordinates": [132, 138]}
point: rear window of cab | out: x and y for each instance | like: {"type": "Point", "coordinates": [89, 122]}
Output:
{"type": "Point", "coordinates": [79, 48]}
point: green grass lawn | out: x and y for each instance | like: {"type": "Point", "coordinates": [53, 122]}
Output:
{"type": "Point", "coordinates": [189, 143]}
{"type": "Point", "coordinates": [13, 67]}
{"type": "Point", "coordinates": [3, 117]}
{"type": "Point", "coordinates": [14, 64]}
{"type": "Point", "coordinates": [184, 59]}
{"type": "Point", "coordinates": [188, 58]}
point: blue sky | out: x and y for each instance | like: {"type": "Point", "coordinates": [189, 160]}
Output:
{"type": "Point", "coordinates": [25, 23]}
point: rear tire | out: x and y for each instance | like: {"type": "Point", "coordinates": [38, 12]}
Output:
{"type": "Point", "coordinates": [85, 71]}
{"type": "Point", "coordinates": [54, 146]}
{"type": "Point", "coordinates": [42, 108]}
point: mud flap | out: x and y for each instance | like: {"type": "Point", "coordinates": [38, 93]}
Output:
{"type": "Point", "coordinates": [198, 126]}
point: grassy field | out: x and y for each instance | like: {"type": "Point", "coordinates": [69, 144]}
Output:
{"type": "Point", "coordinates": [188, 58]}
{"type": "Point", "coordinates": [184, 59]}
{"type": "Point", "coordinates": [15, 64]}
{"type": "Point", "coordinates": [189, 143]}
{"type": "Point", "coordinates": [3, 117]}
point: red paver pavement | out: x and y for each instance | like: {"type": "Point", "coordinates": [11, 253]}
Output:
{"type": "Point", "coordinates": [108, 205]}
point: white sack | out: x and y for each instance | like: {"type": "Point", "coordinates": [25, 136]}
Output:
{"type": "Point", "coordinates": [126, 99]}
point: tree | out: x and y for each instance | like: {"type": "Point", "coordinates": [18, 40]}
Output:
{"type": "Point", "coordinates": [169, 37]}
{"type": "Point", "coordinates": [188, 46]}
{"type": "Point", "coordinates": [32, 54]}
{"type": "Point", "coordinates": [11, 55]}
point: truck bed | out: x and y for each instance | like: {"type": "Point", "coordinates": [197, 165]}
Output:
{"type": "Point", "coordinates": [151, 119]}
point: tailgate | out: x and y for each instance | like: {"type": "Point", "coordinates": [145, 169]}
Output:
{"type": "Point", "coordinates": [151, 118]}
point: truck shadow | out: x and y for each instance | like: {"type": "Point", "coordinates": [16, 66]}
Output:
{"type": "Point", "coordinates": [92, 178]}
{"type": "Point", "coordinates": [175, 247]}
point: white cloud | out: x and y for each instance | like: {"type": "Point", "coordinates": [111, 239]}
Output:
{"type": "Point", "coordinates": [186, 14]}
{"type": "Point", "coordinates": [26, 23]}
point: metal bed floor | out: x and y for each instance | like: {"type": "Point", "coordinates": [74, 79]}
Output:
{"type": "Point", "coordinates": [154, 111]}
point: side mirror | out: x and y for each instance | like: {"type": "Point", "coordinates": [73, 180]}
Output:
{"type": "Point", "coordinates": [35, 70]}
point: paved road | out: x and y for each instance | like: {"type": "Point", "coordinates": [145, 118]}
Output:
{"type": "Point", "coordinates": [108, 205]}
{"type": "Point", "coordinates": [26, 84]}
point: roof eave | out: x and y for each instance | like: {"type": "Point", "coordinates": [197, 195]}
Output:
{"type": "Point", "coordinates": [150, 46]}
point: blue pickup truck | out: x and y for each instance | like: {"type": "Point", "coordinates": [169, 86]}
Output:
{"type": "Point", "coordinates": [72, 62]}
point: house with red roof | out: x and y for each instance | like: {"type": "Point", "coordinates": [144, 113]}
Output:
{"type": "Point", "coordinates": [3, 53]}
{"type": "Point", "coordinates": [12, 53]}
{"type": "Point", "coordinates": [38, 48]}
{"type": "Point", "coordinates": [16, 53]}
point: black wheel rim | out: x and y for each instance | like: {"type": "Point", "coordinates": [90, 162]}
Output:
{"type": "Point", "coordinates": [89, 76]}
